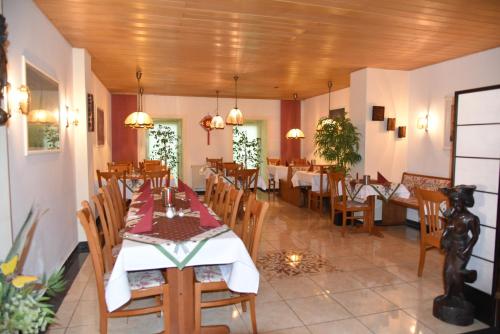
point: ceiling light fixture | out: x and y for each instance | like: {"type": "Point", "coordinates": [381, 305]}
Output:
{"type": "Point", "coordinates": [217, 120]}
{"type": "Point", "coordinates": [295, 133]}
{"type": "Point", "coordinates": [235, 117]}
{"type": "Point", "coordinates": [139, 119]}
{"type": "Point", "coordinates": [330, 85]}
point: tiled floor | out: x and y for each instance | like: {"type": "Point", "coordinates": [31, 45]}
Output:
{"type": "Point", "coordinates": [373, 288]}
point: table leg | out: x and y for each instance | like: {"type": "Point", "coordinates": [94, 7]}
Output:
{"type": "Point", "coordinates": [372, 229]}
{"type": "Point", "coordinates": [181, 285]}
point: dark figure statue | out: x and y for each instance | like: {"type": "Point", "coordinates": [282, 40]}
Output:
{"type": "Point", "coordinates": [4, 116]}
{"type": "Point", "coordinates": [452, 306]}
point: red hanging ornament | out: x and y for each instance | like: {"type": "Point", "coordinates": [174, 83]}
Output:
{"type": "Point", "coordinates": [205, 124]}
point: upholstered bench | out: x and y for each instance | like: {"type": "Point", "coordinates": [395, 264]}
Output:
{"type": "Point", "coordinates": [394, 210]}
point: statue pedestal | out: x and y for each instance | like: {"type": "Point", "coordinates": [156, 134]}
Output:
{"type": "Point", "coordinates": [453, 310]}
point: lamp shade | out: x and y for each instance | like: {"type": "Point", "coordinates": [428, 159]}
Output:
{"type": "Point", "coordinates": [139, 119]}
{"type": "Point", "coordinates": [217, 122]}
{"type": "Point", "coordinates": [295, 134]}
{"type": "Point", "coordinates": [235, 117]}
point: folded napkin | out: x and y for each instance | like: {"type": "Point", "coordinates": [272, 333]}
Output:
{"type": "Point", "coordinates": [145, 224]}
{"type": "Point", "coordinates": [206, 219]}
{"type": "Point", "coordinates": [146, 185]}
{"type": "Point", "coordinates": [146, 206]}
{"type": "Point", "coordinates": [144, 196]}
{"type": "Point", "coordinates": [381, 179]}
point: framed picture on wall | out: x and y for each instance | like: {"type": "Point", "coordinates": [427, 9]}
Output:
{"type": "Point", "coordinates": [100, 127]}
{"type": "Point", "coordinates": [90, 113]}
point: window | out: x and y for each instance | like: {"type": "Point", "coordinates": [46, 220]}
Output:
{"type": "Point", "coordinates": [164, 143]}
{"type": "Point", "coordinates": [248, 144]}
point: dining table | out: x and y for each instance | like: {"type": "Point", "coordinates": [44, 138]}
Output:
{"type": "Point", "coordinates": [195, 236]}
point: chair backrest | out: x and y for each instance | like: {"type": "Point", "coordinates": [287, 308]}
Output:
{"type": "Point", "coordinates": [152, 162]}
{"type": "Point", "coordinates": [217, 193]}
{"type": "Point", "coordinates": [252, 225]}
{"type": "Point", "coordinates": [209, 188]}
{"type": "Point", "coordinates": [273, 161]}
{"type": "Point", "coordinates": [299, 162]}
{"type": "Point", "coordinates": [247, 179]}
{"type": "Point", "coordinates": [231, 206]}
{"type": "Point", "coordinates": [112, 216]}
{"type": "Point", "coordinates": [107, 230]}
{"type": "Point", "coordinates": [220, 200]}
{"type": "Point", "coordinates": [159, 179]}
{"type": "Point", "coordinates": [107, 176]}
{"type": "Point", "coordinates": [429, 209]}
{"type": "Point", "coordinates": [213, 162]}
{"type": "Point", "coordinates": [230, 168]}
{"type": "Point", "coordinates": [153, 167]}
{"type": "Point", "coordinates": [120, 166]}
{"type": "Point", "coordinates": [324, 187]}
{"type": "Point", "coordinates": [337, 182]}
{"type": "Point", "coordinates": [90, 228]}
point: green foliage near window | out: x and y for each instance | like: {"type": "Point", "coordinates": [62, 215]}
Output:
{"type": "Point", "coordinates": [337, 141]}
{"type": "Point", "coordinates": [165, 146]}
{"type": "Point", "coordinates": [246, 151]}
{"type": "Point", "coordinates": [52, 137]}
{"type": "Point", "coordinates": [24, 306]}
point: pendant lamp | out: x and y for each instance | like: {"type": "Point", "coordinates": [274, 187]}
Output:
{"type": "Point", "coordinates": [235, 117]}
{"type": "Point", "coordinates": [295, 133]}
{"type": "Point", "coordinates": [139, 119]}
{"type": "Point", "coordinates": [217, 120]}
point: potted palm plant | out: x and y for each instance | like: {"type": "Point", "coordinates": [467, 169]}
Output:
{"type": "Point", "coordinates": [337, 141]}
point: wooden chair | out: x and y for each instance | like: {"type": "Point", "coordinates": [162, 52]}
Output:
{"type": "Point", "coordinates": [431, 224]}
{"type": "Point", "coordinates": [246, 179]}
{"type": "Point", "coordinates": [106, 176]}
{"type": "Point", "coordinates": [152, 162]}
{"type": "Point", "coordinates": [120, 167]}
{"type": "Point", "coordinates": [214, 162]}
{"type": "Point", "coordinates": [111, 248]}
{"type": "Point", "coordinates": [209, 278]}
{"type": "Point", "coordinates": [299, 162]}
{"type": "Point", "coordinates": [273, 161]}
{"type": "Point", "coordinates": [220, 200]}
{"type": "Point", "coordinates": [114, 220]}
{"type": "Point", "coordinates": [339, 202]}
{"type": "Point", "coordinates": [159, 179]}
{"type": "Point", "coordinates": [209, 188]}
{"type": "Point", "coordinates": [143, 284]}
{"type": "Point", "coordinates": [154, 168]}
{"type": "Point", "coordinates": [219, 187]}
{"type": "Point", "coordinates": [315, 198]}
{"type": "Point", "coordinates": [112, 181]}
{"type": "Point", "coordinates": [230, 168]}
{"type": "Point", "coordinates": [231, 206]}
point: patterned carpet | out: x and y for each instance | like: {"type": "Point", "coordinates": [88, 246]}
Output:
{"type": "Point", "coordinates": [289, 263]}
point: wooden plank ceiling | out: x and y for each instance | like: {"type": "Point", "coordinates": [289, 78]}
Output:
{"type": "Point", "coordinates": [278, 47]}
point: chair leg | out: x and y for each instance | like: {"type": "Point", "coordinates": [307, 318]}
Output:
{"type": "Point", "coordinates": [253, 316]}
{"type": "Point", "coordinates": [244, 306]}
{"type": "Point", "coordinates": [422, 259]}
{"type": "Point", "coordinates": [103, 323]}
{"type": "Point", "coordinates": [344, 223]}
{"type": "Point", "coordinates": [197, 308]}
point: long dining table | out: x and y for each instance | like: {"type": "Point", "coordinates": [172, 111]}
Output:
{"type": "Point", "coordinates": [179, 244]}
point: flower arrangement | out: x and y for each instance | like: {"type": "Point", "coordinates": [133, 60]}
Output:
{"type": "Point", "coordinates": [24, 306]}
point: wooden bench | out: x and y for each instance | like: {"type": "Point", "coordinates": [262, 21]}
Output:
{"type": "Point", "coordinates": [289, 193]}
{"type": "Point", "coordinates": [394, 210]}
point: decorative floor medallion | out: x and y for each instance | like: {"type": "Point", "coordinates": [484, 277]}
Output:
{"type": "Point", "coordinates": [286, 263]}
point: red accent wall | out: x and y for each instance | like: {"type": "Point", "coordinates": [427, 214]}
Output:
{"type": "Point", "coordinates": [290, 118]}
{"type": "Point", "coordinates": [124, 139]}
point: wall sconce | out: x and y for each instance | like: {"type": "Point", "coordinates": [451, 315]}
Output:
{"type": "Point", "coordinates": [423, 122]}
{"type": "Point", "coordinates": [24, 99]}
{"type": "Point", "coordinates": [71, 116]}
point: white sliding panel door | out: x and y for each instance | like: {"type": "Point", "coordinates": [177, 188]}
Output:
{"type": "Point", "coordinates": [477, 161]}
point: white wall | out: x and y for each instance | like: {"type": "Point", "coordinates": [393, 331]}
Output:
{"type": "Point", "coordinates": [428, 88]}
{"type": "Point", "coordinates": [312, 110]}
{"type": "Point", "coordinates": [101, 153]}
{"type": "Point", "coordinates": [194, 138]}
{"type": "Point", "coordinates": [43, 180]}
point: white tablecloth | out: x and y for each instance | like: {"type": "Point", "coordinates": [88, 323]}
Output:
{"type": "Point", "coordinates": [311, 179]}
{"type": "Point", "coordinates": [362, 191]}
{"type": "Point", "coordinates": [278, 172]}
{"type": "Point", "coordinates": [207, 171]}
{"type": "Point", "coordinates": [240, 274]}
